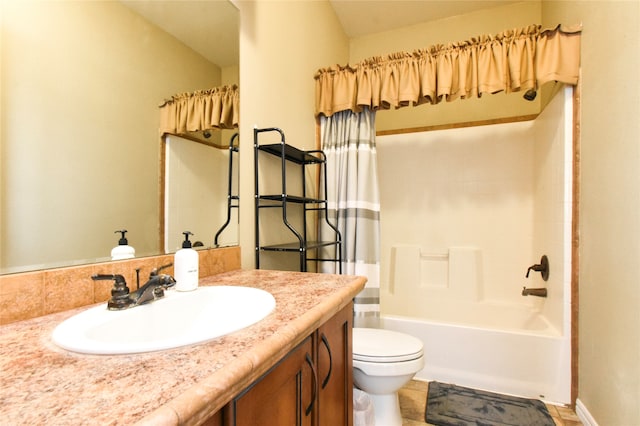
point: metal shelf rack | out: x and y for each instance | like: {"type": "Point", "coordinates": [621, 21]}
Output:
{"type": "Point", "coordinates": [308, 251]}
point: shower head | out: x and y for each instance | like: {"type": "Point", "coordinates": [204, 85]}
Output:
{"type": "Point", "coordinates": [530, 94]}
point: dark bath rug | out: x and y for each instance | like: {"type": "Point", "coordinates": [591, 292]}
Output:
{"type": "Point", "coordinates": [451, 405]}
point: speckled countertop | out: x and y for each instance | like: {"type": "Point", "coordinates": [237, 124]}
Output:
{"type": "Point", "coordinates": [43, 384]}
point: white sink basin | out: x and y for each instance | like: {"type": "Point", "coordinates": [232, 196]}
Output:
{"type": "Point", "coordinates": [178, 319]}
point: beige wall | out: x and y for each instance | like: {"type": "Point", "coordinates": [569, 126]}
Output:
{"type": "Point", "coordinates": [282, 45]}
{"type": "Point", "coordinates": [79, 135]}
{"type": "Point", "coordinates": [609, 372]}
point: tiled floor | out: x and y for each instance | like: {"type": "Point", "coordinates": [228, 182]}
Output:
{"type": "Point", "coordinates": [413, 401]}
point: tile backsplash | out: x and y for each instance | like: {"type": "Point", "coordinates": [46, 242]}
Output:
{"type": "Point", "coordinates": [32, 294]}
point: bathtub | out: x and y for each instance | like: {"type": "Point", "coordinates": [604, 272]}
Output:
{"type": "Point", "coordinates": [509, 349]}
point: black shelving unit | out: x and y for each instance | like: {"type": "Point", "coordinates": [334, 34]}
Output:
{"type": "Point", "coordinates": [233, 200]}
{"type": "Point", "coordinates": [308, 251]}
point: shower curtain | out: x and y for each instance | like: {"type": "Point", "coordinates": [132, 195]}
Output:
{"type": "Point", "coordinates": [348, 140]}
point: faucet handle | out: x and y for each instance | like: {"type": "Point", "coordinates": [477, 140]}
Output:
{"type": "Point", "coordinates": [119, 292]}
{"type": "Point", "coordinates": [536, 268]}
{"type": "Point", "coordinates": [155, 271]}
{"type": "Point", "coordinates": [542, 267]}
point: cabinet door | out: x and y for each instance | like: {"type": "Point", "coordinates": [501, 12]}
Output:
{"type": "Point", "coordinates": [286, 395]}
{"type": "Point", "coordinates": [214, 420]}
{"type": "Point", "coordinates": [335, 364]}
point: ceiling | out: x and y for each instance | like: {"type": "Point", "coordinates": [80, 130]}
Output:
{"type": "Point", "coordinates": [362, 17]}
{"type": "Point", "coordinates": [211, 27]}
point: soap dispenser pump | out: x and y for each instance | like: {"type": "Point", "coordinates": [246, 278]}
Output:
{"type": "Point", "coordinates": [123, 250]}
{"type": "Point", "coordinates": [186, 266]}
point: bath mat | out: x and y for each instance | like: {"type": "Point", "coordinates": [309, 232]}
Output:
{"type": "Point", "coordinates": [451, 405]}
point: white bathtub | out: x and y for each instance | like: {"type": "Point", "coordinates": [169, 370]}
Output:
{"type": "Point", "coordinates": [510, 349]}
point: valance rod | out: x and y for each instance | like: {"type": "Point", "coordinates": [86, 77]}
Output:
{"type": "Point", "coordinates": [216, 108]}
{"type": "Point", "coordinates": [511, 61]}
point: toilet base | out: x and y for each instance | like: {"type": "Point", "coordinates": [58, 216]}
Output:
{"type": "Point", "coordinates": [386, 409]}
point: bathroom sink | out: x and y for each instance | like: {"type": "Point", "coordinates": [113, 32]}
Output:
{"type": "Point", "coordinates": [178, 319]}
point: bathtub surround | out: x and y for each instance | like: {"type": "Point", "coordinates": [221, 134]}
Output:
{"type": "Point", "coordinates": [451, 405]}
{"type": "Point", "coordinates": [456, 274]}
{"type": "Point", "coordinates": [453, 273]}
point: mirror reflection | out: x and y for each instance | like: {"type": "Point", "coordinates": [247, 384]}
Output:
{"type": "Point", "coordinates": [196, 174]}
{"type": "Point", "coordinates": [80, 87]}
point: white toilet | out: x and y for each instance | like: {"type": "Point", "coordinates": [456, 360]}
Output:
{"type": "Point", "coordinates": [383, 362]}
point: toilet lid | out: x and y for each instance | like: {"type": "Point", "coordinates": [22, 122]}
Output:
{"type": "Point", "coordinates": [377, 345]}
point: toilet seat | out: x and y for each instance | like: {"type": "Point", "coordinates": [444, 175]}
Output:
{"type": "Point", "coordinates": [384, 346]}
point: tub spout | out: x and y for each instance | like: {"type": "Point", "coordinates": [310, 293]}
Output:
{"type": "Point", "coordinates": [540, 292]}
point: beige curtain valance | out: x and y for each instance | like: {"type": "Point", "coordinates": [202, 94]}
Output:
{"type": "Point", "coordinates": [513, 60]}
{"type": "Point", "coordinates": [216, 108]}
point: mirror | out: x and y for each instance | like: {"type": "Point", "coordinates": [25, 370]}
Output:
{"type": "Point", "coordinates": [195, 174]}
{"type": "Point", "coordinates": [80, 86]}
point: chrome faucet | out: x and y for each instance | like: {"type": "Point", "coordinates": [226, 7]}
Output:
{"type": "Point", "coordinates": [122, 298]}
{"type": "Point", "coordinates": [540, 292]}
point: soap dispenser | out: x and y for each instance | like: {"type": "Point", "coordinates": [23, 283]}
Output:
{"type": "Point", "coordinates": [186, 266]}
{"type": "Point", "coordinates": [123, 250]}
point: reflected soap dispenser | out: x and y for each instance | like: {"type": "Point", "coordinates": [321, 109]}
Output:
{"type": "Point", "coordinates": [186, 266]}
{"type": "Point", "coordinates": [123, 250]}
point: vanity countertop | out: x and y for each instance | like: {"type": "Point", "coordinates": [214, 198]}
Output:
{"type": "Point", "coordinates": [43, 384]}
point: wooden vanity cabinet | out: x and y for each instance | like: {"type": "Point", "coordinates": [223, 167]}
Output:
{"type": "Point", "coordinates": [335, 370]}
{"type": "Point", "coordinates": [283, 396]}
{"type": "Point", "coordinates": [311, 386]}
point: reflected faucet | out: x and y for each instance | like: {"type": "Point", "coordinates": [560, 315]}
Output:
{"type": "Point", "coordinates": [540, 292]}
{"type": "Point", "coordinates": [122, 298]}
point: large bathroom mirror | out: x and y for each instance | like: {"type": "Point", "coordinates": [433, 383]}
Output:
{"type": "Point", "coordinates": [80, 151]}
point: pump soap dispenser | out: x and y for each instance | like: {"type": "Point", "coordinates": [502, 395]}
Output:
{"type": "Point", "coordinates": [123, 250]}
{"type": "Point", "coordinates": [186, 266]}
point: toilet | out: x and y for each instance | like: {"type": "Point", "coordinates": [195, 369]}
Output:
{"type": "Point", "coordinates": [383, 362]}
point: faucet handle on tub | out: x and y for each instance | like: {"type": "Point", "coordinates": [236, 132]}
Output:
{"type": "Point", "coordinates": [542, 267]}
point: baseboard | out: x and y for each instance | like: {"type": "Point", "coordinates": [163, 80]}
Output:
{"type": "Point", "coordinates": [584, 415]}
